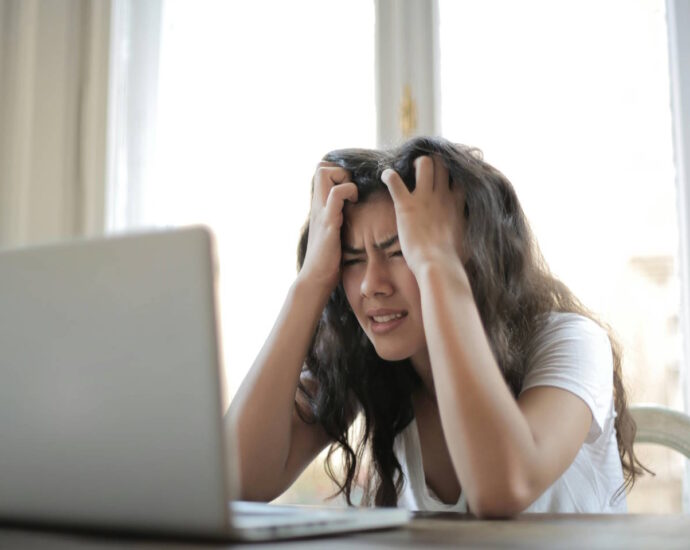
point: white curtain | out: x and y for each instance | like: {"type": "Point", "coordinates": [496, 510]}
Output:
{"type": "Point", "coordinates": [53, 103]}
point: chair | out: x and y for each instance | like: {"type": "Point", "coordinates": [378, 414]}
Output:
{"type": "Point", "coordinates": [663, 426]}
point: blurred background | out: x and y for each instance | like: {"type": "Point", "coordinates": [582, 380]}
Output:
{"type": "Point", "coordinates": [119, 115]}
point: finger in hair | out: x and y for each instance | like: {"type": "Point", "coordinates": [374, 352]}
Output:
{"type": "Point", "coordinates": [424, 174]}
{"type": "Point", "coordinates": [325, 178]}
{"type": "Point", "coordinates": [395, 184]}
{"type": "Point", "coordinates": [338, 195]}
{"type": "Point", "coordinates": [441, 175]}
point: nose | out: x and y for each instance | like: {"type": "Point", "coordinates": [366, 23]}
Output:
{"type": "Point", "coordinates": [376, 280]}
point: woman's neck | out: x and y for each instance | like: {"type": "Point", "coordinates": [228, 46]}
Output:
{"type": "Point", "coordinates": [422, 366]}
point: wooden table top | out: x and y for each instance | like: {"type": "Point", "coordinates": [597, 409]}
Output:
{"type": "Point", "coordinates": [426, 530]}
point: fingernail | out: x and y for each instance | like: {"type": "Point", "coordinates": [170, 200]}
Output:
{"type": "Point", "coordinates": [385, 176]}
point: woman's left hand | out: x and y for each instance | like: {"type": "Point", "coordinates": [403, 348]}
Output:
{"type": "Point", "coordinates": [430, 221]}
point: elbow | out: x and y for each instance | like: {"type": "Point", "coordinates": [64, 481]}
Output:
{"type": "Point", "coordinates": [257, 496]}
{"type": "Point", "coordinates": [260, 490]}
{"type": "Point", "coordinates": [258, 486]}
{"type": "Point", "coordinates": [506, 501]}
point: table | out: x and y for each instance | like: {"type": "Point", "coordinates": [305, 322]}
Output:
{"type": "Point", "coordinates": [427, 530]}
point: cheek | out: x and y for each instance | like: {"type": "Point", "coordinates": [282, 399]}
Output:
{"type": "Point", "coordinates": [407, 283]}
{"type": "Point", "coordinates": [414, 299]}
{"type": "Point", "coordinates": [351, 286]}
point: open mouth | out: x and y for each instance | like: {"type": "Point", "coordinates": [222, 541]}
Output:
{"type": "Point", "coordinates": [385, 323]}
{"type": "Point", "coordinates": [386, 318]}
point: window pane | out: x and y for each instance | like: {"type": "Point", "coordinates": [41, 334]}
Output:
{"type": "Point", "coordinates": [251, 96]}
{"type": "Point", "coordinates": [247, 107]}
{"type": "Point", "coordinates": [571, 101]}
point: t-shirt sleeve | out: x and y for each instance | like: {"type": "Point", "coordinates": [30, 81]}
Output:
{"type": "Point", "coordinates": [573, 353]}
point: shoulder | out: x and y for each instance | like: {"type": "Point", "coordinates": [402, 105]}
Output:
{"type": "Point", "coordinates": [573, 352]}
{"type": "Point", "coordinates": [558, 326]}
{"type": "Point", "coordinates": [567, 339]}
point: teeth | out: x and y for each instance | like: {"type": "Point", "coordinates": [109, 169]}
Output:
{"type": "Point", "coordinates": [386, 318]}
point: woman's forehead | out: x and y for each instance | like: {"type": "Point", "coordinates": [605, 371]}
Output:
{"type": "Point", "coordinates": [373, 218]}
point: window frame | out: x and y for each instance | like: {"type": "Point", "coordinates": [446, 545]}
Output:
{"type": "Point", "coordinates": [678, 20]}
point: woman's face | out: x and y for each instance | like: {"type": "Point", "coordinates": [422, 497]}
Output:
{"type": "Point", "coordinates": [382, 291]}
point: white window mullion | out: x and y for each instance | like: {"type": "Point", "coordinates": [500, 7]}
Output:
{"type": "Point", "coordinates": [133, 88]}
{"type": "Point", "coordinates": [678, 17]}
{"type": "Point", "coordinates": [407, 70]}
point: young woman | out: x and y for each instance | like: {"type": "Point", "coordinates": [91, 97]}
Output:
{"type": "Point", "coordinates": [422, 303]}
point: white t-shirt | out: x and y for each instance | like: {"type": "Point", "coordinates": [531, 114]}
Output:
{"type": "Point", "coordinates": [572, 352]}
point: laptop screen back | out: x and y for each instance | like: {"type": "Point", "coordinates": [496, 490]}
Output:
{"type": "Point", "coordinates": [110, 411]}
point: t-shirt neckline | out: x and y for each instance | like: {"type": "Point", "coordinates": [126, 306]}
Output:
{"type": "Point", "coordinates": [428, 492]}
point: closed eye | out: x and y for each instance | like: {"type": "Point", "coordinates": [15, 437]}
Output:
{"type": "Point", "coordinates": [361, 260]}
{"type": "Point", "coordinates": [351, 262]}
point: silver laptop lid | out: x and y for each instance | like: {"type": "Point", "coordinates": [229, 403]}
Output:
{"type": "Point", "coordinates": [110, 406]}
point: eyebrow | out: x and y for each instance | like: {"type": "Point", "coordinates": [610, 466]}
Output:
{"type": "Point", "coordinates": [378, 246]}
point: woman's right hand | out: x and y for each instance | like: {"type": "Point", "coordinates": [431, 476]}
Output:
{"type": "Point", "coordinates": [332, 187]}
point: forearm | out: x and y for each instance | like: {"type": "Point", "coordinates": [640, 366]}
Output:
{"type": "Point", "coordinates": [488, 438]}
{"type": "Point", "coordinates": [262, 409]}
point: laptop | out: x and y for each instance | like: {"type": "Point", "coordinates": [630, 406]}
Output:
{"type": "Point", "coordinates": [111, 396]}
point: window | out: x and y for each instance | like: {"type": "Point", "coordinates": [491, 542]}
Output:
{"type": "Point", "coordinates": [246, 108]}
{"type": "Point", "coordinates": [571, 101]}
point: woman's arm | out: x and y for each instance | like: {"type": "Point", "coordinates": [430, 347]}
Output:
{"type": "Point", "coordinates": [505, 453]}
{"type": "Point", "coordinates": [274, 443]}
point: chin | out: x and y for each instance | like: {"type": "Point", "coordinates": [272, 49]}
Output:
{"type": "Point", "coordinates": [392, 354]}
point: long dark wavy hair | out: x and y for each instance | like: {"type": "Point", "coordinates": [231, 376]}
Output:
{"type": "Point", "coordinates": [512, 287]}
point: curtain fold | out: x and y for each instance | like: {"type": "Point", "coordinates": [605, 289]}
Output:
{"type": "Point", "coordinates": [54, 58]}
